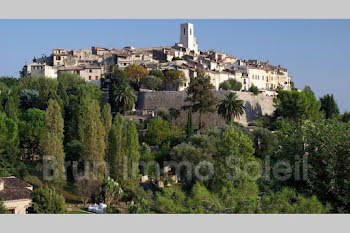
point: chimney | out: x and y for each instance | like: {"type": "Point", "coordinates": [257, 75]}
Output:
{"type": "Point", "coordinates": [2, 184]}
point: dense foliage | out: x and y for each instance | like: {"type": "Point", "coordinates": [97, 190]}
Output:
{"type": "Point", "coordinates": [48, 201]}
{"type": "Point", "coordinates": [294, 161]}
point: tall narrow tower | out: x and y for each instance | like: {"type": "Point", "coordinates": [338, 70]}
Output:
{"type": "Point", "coordinates": [187, 38]}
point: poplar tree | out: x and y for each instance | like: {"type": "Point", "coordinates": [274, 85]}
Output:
{"type": "Point", "coordinates": [94, 137]}
{"type": "Point", "coordinates": [123, 153]}
{"type": "Point", "coordinates": [52, 140]}
{"type": "Point", "coordinates": [107, 119]}
{"type": "Point", "coordinates": [131, 151]}
{"type": "Point", "coordinates": [114, 155]}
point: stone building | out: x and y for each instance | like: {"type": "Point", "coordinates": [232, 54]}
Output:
{"type": "Point", "coordinates": [90, 73]}
{"type": "Point", "coordinates": [187, 38]}
{"type": "Point", "coordinates": [15, 194]}
{"type": "Point", "coordinates": [92, 64]}
{"type": "Point", "coordinates": [40, 70]}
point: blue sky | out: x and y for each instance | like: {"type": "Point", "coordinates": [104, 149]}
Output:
{"type": "Point", "coordinates": [316, 52]}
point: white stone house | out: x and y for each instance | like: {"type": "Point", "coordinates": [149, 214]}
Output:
{"type": "Point", "coordinates": [15, 194]}
{"type": "Point", "coordinates": [42, 70]}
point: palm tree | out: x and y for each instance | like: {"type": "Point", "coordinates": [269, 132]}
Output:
{"type": "Point", "coordinates": [125, 97]}
{"type": "Point", "coordinates": [230, 107]}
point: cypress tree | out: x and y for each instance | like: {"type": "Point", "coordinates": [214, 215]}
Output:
{"type": "Point", "coordinates": [189, 126]}
{"type": "Point", "coordinates": [329, 106]}
{"type": "Point", "coordinates": [52, 140]}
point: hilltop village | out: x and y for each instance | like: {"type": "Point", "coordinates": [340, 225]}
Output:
{"type": "Point", "coordinates": [161, 130]}
{"type": "Point", "coordinates": [93, 64]}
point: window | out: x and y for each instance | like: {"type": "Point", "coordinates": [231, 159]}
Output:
{"type": "Point", "coordinates": [90, 70]}
{"type": "Point", "coordinates": [191, 31]}
{"type": "Point", "coordinates": [89, 77]}
{"type": "Point", "coordinates": [96, 78]}
{"type": "Point", "coordinates": [184, 31]}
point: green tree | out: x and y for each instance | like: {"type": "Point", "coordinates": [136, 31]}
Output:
{"type": "Point", "coordinates": [172, 200]}
{"type": "Point", "coordinates": [152, 83]}
{"type": "Point", "coordinates": [106, 119]}
{"type": "Point", "coordinates": [329, 106]}
{"type": "Point", "coordinates": [125, 97]}
{"type": "Point", "coordinates": [111, 190]}
{"type": "Point", "coordinates": [288, 201]}
{"type": "Point", "coordinates": [295, 105]}
{"type": "Point", "coordinates": [254, 89]}
{"type": "Point", "coordinates": [94, 137]}
{"type": "Point", "coordinates": [62, 93]}
{"type": "Point", "coordinates": [233, 180]}
{"type": "Point", "coordinates": [163, 113]}
{"type": "Point", "coordinates": [9, 81]}
{"type": "Point", "coordinates": [131, 152]}
{"type": "Point", "coordinates": [47, 201]}
{"type": "Point", "coordinates": [69, 81]}
{"type": "Point", "coordinates": [196, 149]}
{"type": "Point", "coordinates": [52, 138]}
{"type": "Point", "coordinates": [11, 109]}
{"type": "Point", "coordinates": [175, 78]}
{"type": "Point", "coordinates": [313, 109]}
{"type": "Point", "coordinates": [264, 141]}
{"type": "Point", "coordinates": [29, 99]}
{"type": "Point", "coordinates": [158, 131]}
{"type": "Point", "coordinates": [226, 85]}
{"type": "Point", "coordinates": [189, 124]}
{"type": "Point", "coordinates": [174, 114]}
{"type": "Point", "coordinates": [136, 75]}
{"type": "Point", "coordinates": [118, 78]}
{"type": "Point", "coordinates": [31, 128]}
{"type": "Point", "coordinates": [3, 209]}
{"type": "Point", "coordinates": [46, 87]}
{"type": "Point", "coordinates": [157, 73]}
{"type": "Point", "coordinates": [9, 144]}
{"type": "Point", "coordinates": [200, 95]}
{"type": "Point", "coordinates": [114, 156]}
{"type": "Point", "coordinates": [230, 107]}
{"type": "Point", "coordinates": [346, 117]}
{"type": "Point", "coordinates": [77, 113]}
{"type": "Point", "coordinates": [235, 85]}
{"type": "Point", "coordinates": [231, 84]}
{"type": "Point", "coordinates": [322, 144]}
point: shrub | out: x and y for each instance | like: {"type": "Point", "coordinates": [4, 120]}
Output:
{"type": "Point", "coordinates": [157, 73]}
{"type": "Point", "coordinates": [254, 89]}
{"type": "Point", "coordinates": [141, 206]}
{"type": "Point", "coordinates": [231, 84]}
{"type": "Point", "coordinates": [33, 180]}
{"type": "Point", "coordinates": [112, 210]}
{"type": "Point", "coordinates": [3, 209]}
{"type": "Point", "coordinates": [47, 201]}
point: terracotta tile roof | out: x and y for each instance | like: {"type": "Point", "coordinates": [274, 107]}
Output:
{"type": "Point", "coordinates": [15, 189]}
